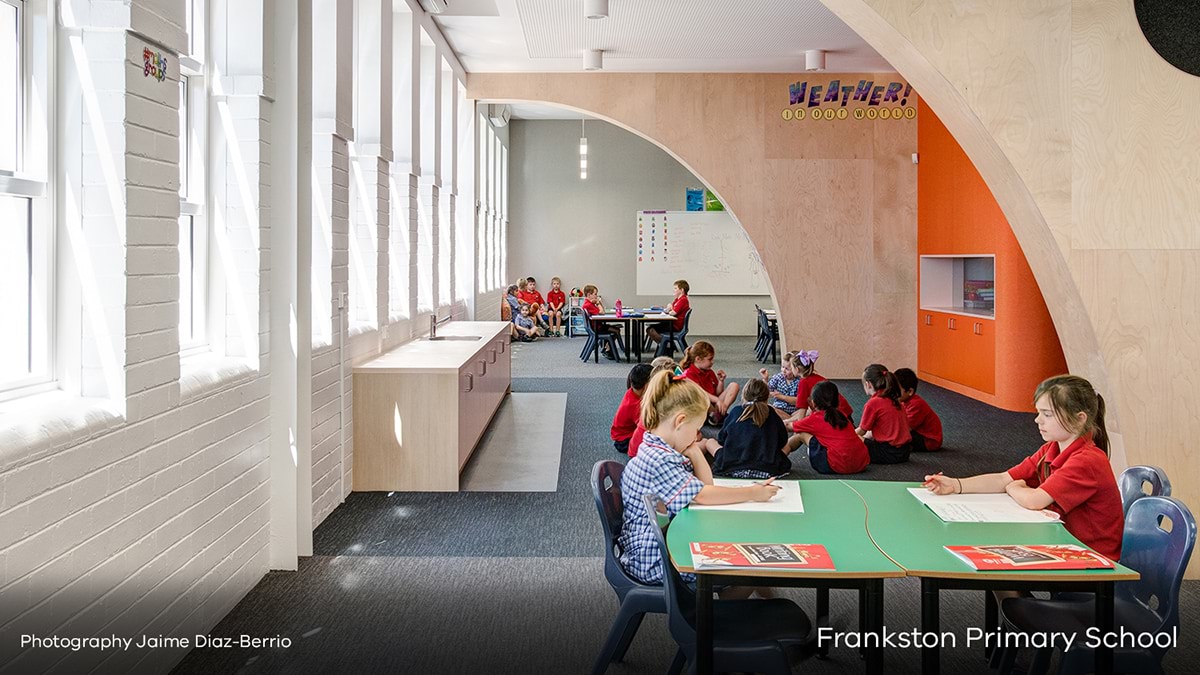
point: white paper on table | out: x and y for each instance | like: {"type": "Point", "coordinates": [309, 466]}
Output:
{"type": "Point", "coordinates": [787, 500]}
{"type": "Point", "coordinates": [980, 508]}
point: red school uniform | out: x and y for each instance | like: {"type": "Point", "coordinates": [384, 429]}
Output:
{"type": "Point", "coordinates": [625, 422]}
{"type": "Point", "coordinates": [557, 299]}
{"type": "Point", "coordinates": [707, 379]}
{"type": "Point", "coordinates": [924, 421]}
{"type": "Point", "coordinates": [530, 297]}
{"type": "Point", "coordinates": [635, 441]}
{"type": "Point", "coordinates": [885, 421]}
{"type": "Point", "coordinates": [680, 307]}
{"type": "Point", "coordinates": [846, 451]}
{"type": "Point", "coordinates": [804, 393]}
{"type": "Point", "coordinates": [1081, 482]}
{"type": "Point", "coordinates": [591, 307]}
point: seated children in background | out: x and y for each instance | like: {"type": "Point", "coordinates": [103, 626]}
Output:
{"type": "Point", "coordinates": [526, 330]}
{"type": "Point", "coordinates": [656, 366]}
{"type": "Point", "coordinates": [1070, 474]}
{"type": "Point", "coordinates": [923, 422]}
{"type": "Point", "coordinates": [592, 305]}
{"type": "Point", "coordinates": [534, 298]}
{"type": "Point", "coordinates": [556, 302]}
{"type": "Point", "coordinates": [671, 465]}
{"type": "Point", "coordinates": [678, 309]}
{"type": "Point", "coordinates": [805, 365]}
{"type": "Point", "coordinates": [753, 439]}
{"type": "Point", "coordinates": [626, 420]}
{"type": "Point", "coordinates": [514, 310]}
{"type": "Point", "coordinates": [782, 386]}
{"type": "Point", "coordinates": [697, 366]}
{"type": "Point", "coordinates": [833, 445]}
{"type": "Point", "coordinates": [883, 426]}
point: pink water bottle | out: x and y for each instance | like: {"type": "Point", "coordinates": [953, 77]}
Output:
{"type": "Point", "coordinates": [617, 306]}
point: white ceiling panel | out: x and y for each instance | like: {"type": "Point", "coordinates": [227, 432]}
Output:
{"type": "Point", "coordinates": [657, 36]}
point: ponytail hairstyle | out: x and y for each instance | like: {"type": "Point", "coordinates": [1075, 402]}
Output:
{"type": "Point", "coordinates": [883, 382]}
{"type": "Point", "coordinates": [668, 395]}
{"type": "Point", "coordinates": [755, 395]}
{"type": "Point", "coordinates": [1071, 395]}
{"type": "Point", "coordinates": [699, 350]}
{"type": "Point", "coordinates": [825, 397]}
{"type": "Point", "coordinates": [805, 362]}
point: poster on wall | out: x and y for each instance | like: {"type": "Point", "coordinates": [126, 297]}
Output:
{"type": "Point", "coordinates": [832, 101]}
{"type": "Point", "coordinates": [695, 199]}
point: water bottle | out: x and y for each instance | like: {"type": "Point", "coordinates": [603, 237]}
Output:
{"type": "Point", "coordinates": [617, 306]}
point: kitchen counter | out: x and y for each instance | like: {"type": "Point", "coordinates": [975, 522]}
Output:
{"type": "Point", "coordinates": [425, 356]}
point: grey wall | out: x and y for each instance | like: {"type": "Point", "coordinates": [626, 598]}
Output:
{"type": "Point", "coordinates": [583, 230]}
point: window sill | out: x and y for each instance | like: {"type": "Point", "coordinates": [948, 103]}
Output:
{"type": "Point", "coordinates": [39, 425]}
{"type": "Point", "coordinates": [361, 328]}
{"type": "Point", "coordinates": [206, 374]}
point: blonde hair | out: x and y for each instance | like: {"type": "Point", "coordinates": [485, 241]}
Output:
{"type": "Point", "coordinates": [662, 363]}
{"type": "Point", "coordinates": [522, 284]}
{"type": "Point", "coordinates": [554, 279]}
{"type": "Point", "coordinates": [668, 395]}
{"type": "Point", "coordinates": [700, 350]}
{"type": "Point", "coordinates": [1071, 395]}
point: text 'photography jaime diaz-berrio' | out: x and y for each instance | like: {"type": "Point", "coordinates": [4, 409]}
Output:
{"type": "Point", "coordinates": [117, 642]}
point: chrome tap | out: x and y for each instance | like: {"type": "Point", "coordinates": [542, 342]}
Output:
{"type": "Point", "coordinates": [433, 324]}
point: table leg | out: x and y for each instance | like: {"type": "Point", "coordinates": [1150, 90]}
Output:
{"type": "Point", "coordinates": [822, 620]}
{"type": "Point", "coordinates": [930, 623]}
{"type": "Point", "coordinates": [704, 625]}
{"type": "Point", "coordinates": [874, 612]}
{"type": "Point", "coordinates": [1104, 622]}
{"type": "Point", "coordinates": [628, 336]}
{"type": "Point", "coordinates": [991, 619]}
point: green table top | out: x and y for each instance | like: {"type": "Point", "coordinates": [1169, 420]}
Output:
{"type": "Point", "coordinates": [834, 516]}
{"type": "Point", "coordinates": [913, 536]}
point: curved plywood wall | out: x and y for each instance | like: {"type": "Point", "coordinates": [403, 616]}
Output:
{"type": "Point", "coordinates": [1088, 140]}
{"type": "Point", "coordinates": [829, 204]}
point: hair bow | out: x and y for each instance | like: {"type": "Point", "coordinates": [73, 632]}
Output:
{"type": "Point", "coordinates": [808, 357]}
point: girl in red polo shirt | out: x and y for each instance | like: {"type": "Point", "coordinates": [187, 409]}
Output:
{"type": "Point", "coordinates": [833, 445]}
{"type": "Point", "coordinates": [1070, 474]}
{"type": "Point", "coordinates": [804, 363]}
{"type": "Point", "coordinates": [697, 366]}
{"type": "Point", "coordinates": [884, 426]}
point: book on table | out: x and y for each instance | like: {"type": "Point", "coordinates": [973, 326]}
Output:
{"type": "Point", "coordinates": [1031, 557]}
{"type": "Point", "coordinates": [718, 556]}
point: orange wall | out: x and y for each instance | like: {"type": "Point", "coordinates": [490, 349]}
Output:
{"type": "Point", "coordinates": [956, 214]}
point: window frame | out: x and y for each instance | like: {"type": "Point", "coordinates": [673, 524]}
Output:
{"type": "Point", "coordinates": [28, 180]}
{"type": "Point", "coordinates": [195, 198]}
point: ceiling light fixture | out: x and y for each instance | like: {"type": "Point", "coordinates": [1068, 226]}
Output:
{"type": "Point", "coordinates": [593, 59]}
{"type": "Point", "coordinates": [583, 149]}
{"type": "Point", "coordinates": [814, 59]}
{"type": "Point", "coordinates": [595, 9]}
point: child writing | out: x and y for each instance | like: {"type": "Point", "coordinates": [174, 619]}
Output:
{"type": "Point", "coordinates": [555, 301]}
{"type": "Point", "coordinates": [697, 366]}
{"type": "Point", "coordinates": [670, 464]}
{"type": "Point", "coordinates": [1070, 474]}
{"type": "Point", "coordinates": [753, 439]}
{"type": "Point", "coordinates": [526, 330]}
{"type": "Point", "coordinates": [924, 424]}
{"type": "Point", "coordinates": [782, 386]}
{"type": "Point", "coordinates": [625, 422]}
{"type": "Point", "coordinates": [884, 427]}
{"type": "Point", "coordinates": [805, 365]}
{"type": "Point", "coordinates": [656, 366]}
{"type": "Point", "coordinates": [833, 444]}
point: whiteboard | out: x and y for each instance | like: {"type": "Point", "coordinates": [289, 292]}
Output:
{"type": "Point", "coordinates": [707, 248]}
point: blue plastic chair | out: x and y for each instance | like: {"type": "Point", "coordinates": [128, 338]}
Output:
{"type": "Point", "coordinates": [1150, 604]}
{"type": "Point", "coordinates": [770, 340]}
{"type": "Point", "coordinates": [676, 339]}
{"type": "Point", "coordinates": [756, 636]}
{"type": "Point", "coordinates": [1133, 482]}
{"type": "Point", "coordinates": [637, 599]}
{"type": "Point", "coordinates": [595, 339]}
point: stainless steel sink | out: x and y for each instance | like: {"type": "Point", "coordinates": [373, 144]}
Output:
{"type": "Point", "coordinates": [453, 338]}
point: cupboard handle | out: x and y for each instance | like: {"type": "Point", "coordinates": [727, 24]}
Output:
{"type": "Point", "coordinates": [950, 323]}
{"type": "Point", "coordinates": [978, 328]}
{"type": "Point", "coordinates": [500, 344]}
{"type": "Point", "coordinates": [928, 319]}
{"type": "Point", "coordinates": [491, 356]}
{"type": "Point", "coordinates": [482, 367]}
{"type": "Point", "coordinates": [470, 382]}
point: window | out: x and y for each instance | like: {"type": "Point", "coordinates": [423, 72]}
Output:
{"type": "Point", "coordinates": [26, 233]}
{"type": "Point", "coordinates": [193, 186]}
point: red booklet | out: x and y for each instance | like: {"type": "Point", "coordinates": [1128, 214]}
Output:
{"type": "Point", "coordinates": [715, 556]}
{"type": "Point", "coordinates": [1036, 557]}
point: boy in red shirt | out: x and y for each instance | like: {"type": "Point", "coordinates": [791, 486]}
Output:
{"type": "Point", "coordinates": [556, 300]}
{"type": "Point", "coordinates": [592, 305]}
{"type": "Point", "coordinates": [625, 422]}
{"type": "Point", "coordinates": [678, 309]}
{"type": "Point", "coordinates": [923, 422]}
{"type": "Point", "coordinates": [1070, 474]}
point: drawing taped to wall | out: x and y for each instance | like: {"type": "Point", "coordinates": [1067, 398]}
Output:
{"type": "Point", "coordinates": [708, 248]}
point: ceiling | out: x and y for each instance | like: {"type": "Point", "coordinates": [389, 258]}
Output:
{"type": "Point", "coordinates": [653, 36]}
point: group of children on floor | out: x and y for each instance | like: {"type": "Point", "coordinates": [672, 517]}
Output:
{"type": "Point", "coordinates": [532, 315]}
{"type": "Point", "coordinates": [659, 421]}
{"type": "Point", "coordinates": [754, 441]}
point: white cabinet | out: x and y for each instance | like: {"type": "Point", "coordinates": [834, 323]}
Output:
{"type": "Point", "coordinates": [420, 409]}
